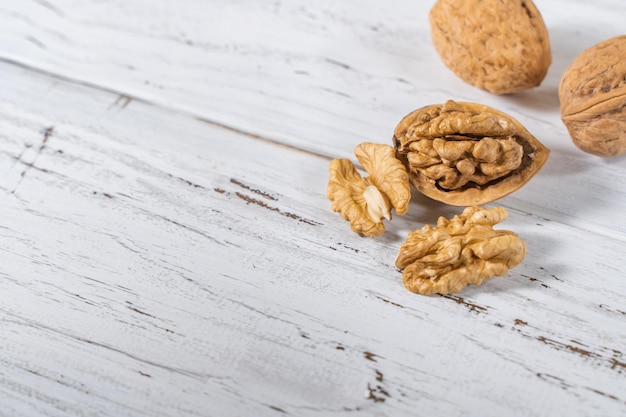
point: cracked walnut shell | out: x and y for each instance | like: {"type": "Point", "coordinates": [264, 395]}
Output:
{"type": "Point", "coordinates": [592, 92]}
{"type": "Point", "coordinates": [467, 154]}
{"type": "Point", "coordinates": [365, 202]}
{"type": "Point", "coordinates": [498, 46]}
{"type": "Point", "coordinates": [457, 252]}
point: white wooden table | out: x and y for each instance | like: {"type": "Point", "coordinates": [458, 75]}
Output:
{"type": "Point", "coordinates": [167, 248]}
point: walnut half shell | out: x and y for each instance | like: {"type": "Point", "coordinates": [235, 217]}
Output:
{"type": "Point", "coordinates": [467, 154]}
{"type": "Point", "coordinates": [457, 252]}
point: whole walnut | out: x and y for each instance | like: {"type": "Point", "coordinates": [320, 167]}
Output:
{"type": "Point", "coordinates": [498, 46]}
{"type": "Point", "coordinates": [593, 98]}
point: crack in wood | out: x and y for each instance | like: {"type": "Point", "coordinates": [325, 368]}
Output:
{"type": "Point", "coordinates": [253, 190]}
{"type": "Point", "coordinates": [533, 279]}
{"type": "Point", "coordinates": [555, 379]}
{"type": "Point", "coordinates": [384, 300]}
{"type": "Point", "coordinates": [47, 134]}
{"type": "Point", "coordinates": [280, 410]}
{"type": "Point", "coordinates": [260, 203]}
{"type": "Point", "coordinates": [460, 300]}
{"type": "Point", "coordinates": [251, 200]}
{"type": "Point", "coordinates": [561, 345]}
{"type": "Point", "coordinates": [262, 138]}
{"type": "Point", "coordinates": [576, 347]}
{"type": "Point", "coordinates": [40, 326]}
{"type": "Point", "coordinates": [336, 92]}
{"type": "Point", "coordinates": [567, 386]}
{"type": "Point", "coordinates": [370, 356]}
{"type": "Point", "coordinates": [36, 42]}
{"type": "Point", "coordinates": [379, 375]}
{"type": "Point", "coordinates": [615, 364]}
{"type": "Point", "coordinates": [604, 394]}
{"type": "Point", "coordinates": [355, 250]}
{"type": "Point", "coordinates": [339, 64]}
{"type": "Point", "coordinates": [184, 226]}
{"type": "Point", "coordinates": [49, 6]}
{"type": "Point", "coordinates": [107, 195]}
{"type": "Point", "coordinates": [136, 310]}
{"type": "Point", "coordinates": [122, 101]}
{"type": "Point", "coordinates": [186, 181]}
{"type": "Point", "coordinates": [377, 393]}
{"type": "Point", "coordinates": [607, 308]}
{"type": "Point", "coordinates": [59, 379]}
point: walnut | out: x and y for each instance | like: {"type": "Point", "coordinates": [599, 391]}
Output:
{"type": "Point", "coordinates": [365, 202]}
{"type": "Point", "coordinates": [457, 252]}
{"type": "Point", "coordinates": [467, 154]}
{"type": "Point", "coordinates": [498, 46]}
{"type": "Point", "coordinates": [593, 98]}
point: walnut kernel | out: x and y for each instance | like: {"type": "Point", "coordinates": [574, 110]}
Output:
{"type": "Point", "coordinates": [467, 154]}
{"type": "Point", "coordinates": [457, 252]}
{"type": "Point", "coordinates": [365, 202]}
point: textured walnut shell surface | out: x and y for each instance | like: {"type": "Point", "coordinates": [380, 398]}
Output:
{"type": "Point", "coordinates": [498, 46]}
{"type": "Point", "coordinates": [593, 98]}
{"type": "Point", "coordinates": [465, 126]}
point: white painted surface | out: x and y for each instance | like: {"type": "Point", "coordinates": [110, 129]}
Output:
{"type": "Point", "coordinates": [166, 249]}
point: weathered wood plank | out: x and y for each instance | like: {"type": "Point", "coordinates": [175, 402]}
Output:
{"type": "Point", "coordinates": [166, 247]}
{"type": "Point", "coordinates": [156, 264]}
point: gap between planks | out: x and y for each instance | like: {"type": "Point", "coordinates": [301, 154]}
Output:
{"type": "Point", "coordinates": [125, 98]}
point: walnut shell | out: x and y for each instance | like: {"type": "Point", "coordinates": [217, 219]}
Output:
{"type": "Point", "coordinates": [498, 46]}
{"type": "Point", "coordinates": [467, 154]}
{"type": "Point", "coordinates": [593, 98]}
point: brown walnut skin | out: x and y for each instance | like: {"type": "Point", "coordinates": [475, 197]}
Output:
{"type": "Point", "coordinates": [498, 46]}
{"type": "Point", "coordinates": [467, 154]}
{"type": "Point", "coordinates": [593, 98]}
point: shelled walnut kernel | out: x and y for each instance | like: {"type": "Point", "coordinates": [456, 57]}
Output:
{"type": "Point", "coordinates": [457, 252]}
{"type": "Point", "coordinates": [365, 202]}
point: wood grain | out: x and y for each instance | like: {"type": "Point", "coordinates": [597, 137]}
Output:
{"type": "Point", "coordinates": [322, 76]}
{"type": "Point", "coordinates": [167, 248]}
